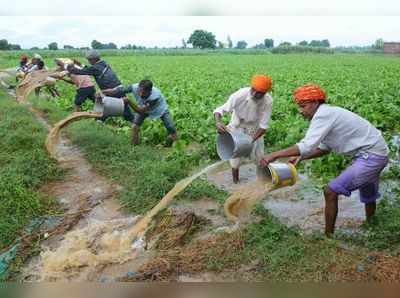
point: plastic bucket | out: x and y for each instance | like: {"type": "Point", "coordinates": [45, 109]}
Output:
{"type": "Point", "coordinates": [281, 174]}
{"type": "Point", "coordinates": [234, 144]}
{"type": "Point", "coordinates": [109, 106]}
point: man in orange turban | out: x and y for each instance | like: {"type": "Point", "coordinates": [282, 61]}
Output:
{"type": "Point", "coordinates": [339, 130]}
{"type": "Point", "coordinates": [251, 109]}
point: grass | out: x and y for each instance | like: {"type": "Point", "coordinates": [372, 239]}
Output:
{"type": "Point", "coordinates": [146, 172]}
{"type": "Point", "coordinates": [24, 167]}
{"type": "Point", "coordinates": [383, 233]}
{"type": "Point", "coordinates": [149, 171]}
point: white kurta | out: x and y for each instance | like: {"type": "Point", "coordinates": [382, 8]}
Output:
{"type": "Point", "coordinates": [337, 129]}
{"type": "Point", "coordinates": [248, 115]}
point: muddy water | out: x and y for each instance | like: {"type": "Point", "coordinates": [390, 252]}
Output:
{"type": "Point", "coordinates": [240, 204]}
{"type": "Point", "coordinates": [54, 134]}
{"type": "Point", "coordinates": [105, 241]}
{"type": "Point", "coordinates": [99, 246]}
{"type": "Point", "coordinates": [81, 189]}
{"type": "Point", "coordinates": [299, 205]}
{"type": "Point", "coordinates": [32, 81]}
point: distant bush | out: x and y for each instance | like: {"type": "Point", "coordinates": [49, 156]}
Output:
{"type": "Point", "coordinates": [287, 49]}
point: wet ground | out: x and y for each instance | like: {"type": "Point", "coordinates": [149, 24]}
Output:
{"type": "Point", "coordinates": [300, 205]}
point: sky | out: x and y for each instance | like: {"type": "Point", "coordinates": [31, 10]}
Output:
{"type": "Point", "coordinates": [165, 23]}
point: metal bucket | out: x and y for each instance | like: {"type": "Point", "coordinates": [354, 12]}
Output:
{"type": "Point", "coordinates": [234, 144]}
{"type": "Point", "coordinates": [109, 106]}
{"type": "Point", "coordinates": [281, 174]}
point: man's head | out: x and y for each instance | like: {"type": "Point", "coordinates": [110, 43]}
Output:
{"type": "Point", "coordinates": [309, 98]}
{"type": "Point", "coordinates": [40, 64]}
{"type": "Point", "coordinates": [260, 84]}
{"type": "Point", "coordinates": [24, 58]}
{"type": "Point", "coordinates": [145, 87]}
{"type": "Point", "coordinates": [59, 62]}
{"type": "Point", "coordinates": [36, 58]}
{"type": "Point", "coordinates": [93, 56]}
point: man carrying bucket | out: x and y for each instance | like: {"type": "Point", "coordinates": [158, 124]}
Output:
{"type": "Point", "coordinates": [103, 75]}
{"type": "Point", "coordinates": [336, 129]}
{"type": "Point", "coordinates": [150, 103]}
{"type": "Point", "coordinates": [85, 88]}
{"type": "Point", "coordinates": [251, 109]}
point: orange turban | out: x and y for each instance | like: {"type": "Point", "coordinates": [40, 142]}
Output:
{"type": "Point", "coordinates": [309, 93]}
{"type": "Point", "coordinates": [261, 83]}
{"type": "Point", "coordinates": [24, 57]}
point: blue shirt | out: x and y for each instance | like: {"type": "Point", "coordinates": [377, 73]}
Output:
{"type": "Point", "coordinates": [156, 101]}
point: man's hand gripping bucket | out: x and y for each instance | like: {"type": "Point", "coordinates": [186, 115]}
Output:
{"type": "Point", "coordinates": [234, 144]}
{"type": "Point", "coordinates": [281, 174]}
{"type": "Point", "coordinates": [109, 106]}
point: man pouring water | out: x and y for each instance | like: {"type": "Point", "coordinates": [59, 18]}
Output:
{"type": "Point", "coordinates": [104, 76]}
{"type": "Point", "coordinates": [339, 130]}
{"type": "Point", "coordinates": [251, 109]}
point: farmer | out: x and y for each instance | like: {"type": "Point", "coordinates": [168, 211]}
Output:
{"type": "Point", "coordinates": [251, 109]}
{"type": "Point", "coordinates": [50, 81]}
{"type": "Point", "coordinates": [23, 63]}
{"type": "Point", "coordinates": [339, 130]}
{"type": "Point", "coordinates": [36, 58]}
{"type": "Point", "coordinates": [104, 76]}
{"type": "Point", "coordinates": [85, 88]}
{"type": "Point", "coordinates": [150, 103]}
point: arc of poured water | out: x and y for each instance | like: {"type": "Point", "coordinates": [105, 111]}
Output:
{"type": "Point", "coordinates": [54, 134]}
{"type": "Point", "coordinates": [138, 230]}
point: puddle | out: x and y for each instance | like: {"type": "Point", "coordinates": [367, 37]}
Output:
{"type": "Point", "coordinates": [300, 205]}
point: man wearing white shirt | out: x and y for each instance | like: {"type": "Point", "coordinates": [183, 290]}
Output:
{"type": "Point", "coordinates": [339, 130]}
{"type": "Point", "coordinates": [251, 109]}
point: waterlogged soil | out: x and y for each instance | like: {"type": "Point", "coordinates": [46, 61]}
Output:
{"type": "Point", "coordinates": [299, 205]}
{"type": "Point", "coordinates": [106, 244]}
{"type": "Point", "coordinates": [103, 244]}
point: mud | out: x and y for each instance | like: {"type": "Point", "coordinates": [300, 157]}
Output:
{"type": "Point", "coordinates": [54, 134]}
{"type": "Point", "coordinates": [300, 205]}
{"type": "Point", "coordinates": [34, 80]}
{"type": "Point", "coordinates": [239, 205]}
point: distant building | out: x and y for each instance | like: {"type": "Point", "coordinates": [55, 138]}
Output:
{"type": "Point", "coordinates": [391, 47]}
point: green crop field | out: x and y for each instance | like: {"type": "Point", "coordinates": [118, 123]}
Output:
{"type": "Point", "coordinates": [195, 85]}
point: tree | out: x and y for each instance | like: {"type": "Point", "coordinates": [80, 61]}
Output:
{"type": "Point", "coordinates": [221, 45]}
{"type": "Point", "coordinates": [303, 43]}
{"type": "Point", "coordinates": [315, 43]}
{"type": "Point", "coordinates": [202, 39]}
{"type": "Point", "coordinates": [285, 44]}
{"type": "Point", "coordinates": [325, 43]}
{"type": "Point", "coordinates": [34, 48]}
{"type": "Point", "coordinates": [110, 45]}
{"type": "Point", "coordinates": [379, 44]}
{"type": "Point", "coordinates": [184, 45]}
{"type": "Point", "coordinates": [269, 43]}
{"type": "Point", "coordinates": [230, 43]}
{"type": "Point", "coordinates": [259, 46]}
{"type": "Point", "coordinates": [4, 44]}
{"type": "Point", "coordinates": [68, 47]}
{"type": "Point", "coordinates": [96, 45]}
{"type": "Point", "coordinates": [14, 47]}
{"type": "Point", "coordinates": [53, 46]}
{"type": "Point", "coordinates": [241, 44]}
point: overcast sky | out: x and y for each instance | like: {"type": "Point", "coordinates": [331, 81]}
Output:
{"type": "Point", "coordinates": [165, 23]}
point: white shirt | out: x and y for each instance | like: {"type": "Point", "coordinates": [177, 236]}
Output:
{"type": "Point", "coordinates": [247, 111]}
{"type": "Point", "coordinates": [342, 131]}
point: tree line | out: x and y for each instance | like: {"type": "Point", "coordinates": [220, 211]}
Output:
{"type": "Point", "coordinates": [201, 39]}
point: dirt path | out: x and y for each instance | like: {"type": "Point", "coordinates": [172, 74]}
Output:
{"type": "Point", "coordinates": [89, 249]}
{"type": "Point", "coordinates": [81, 191]}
